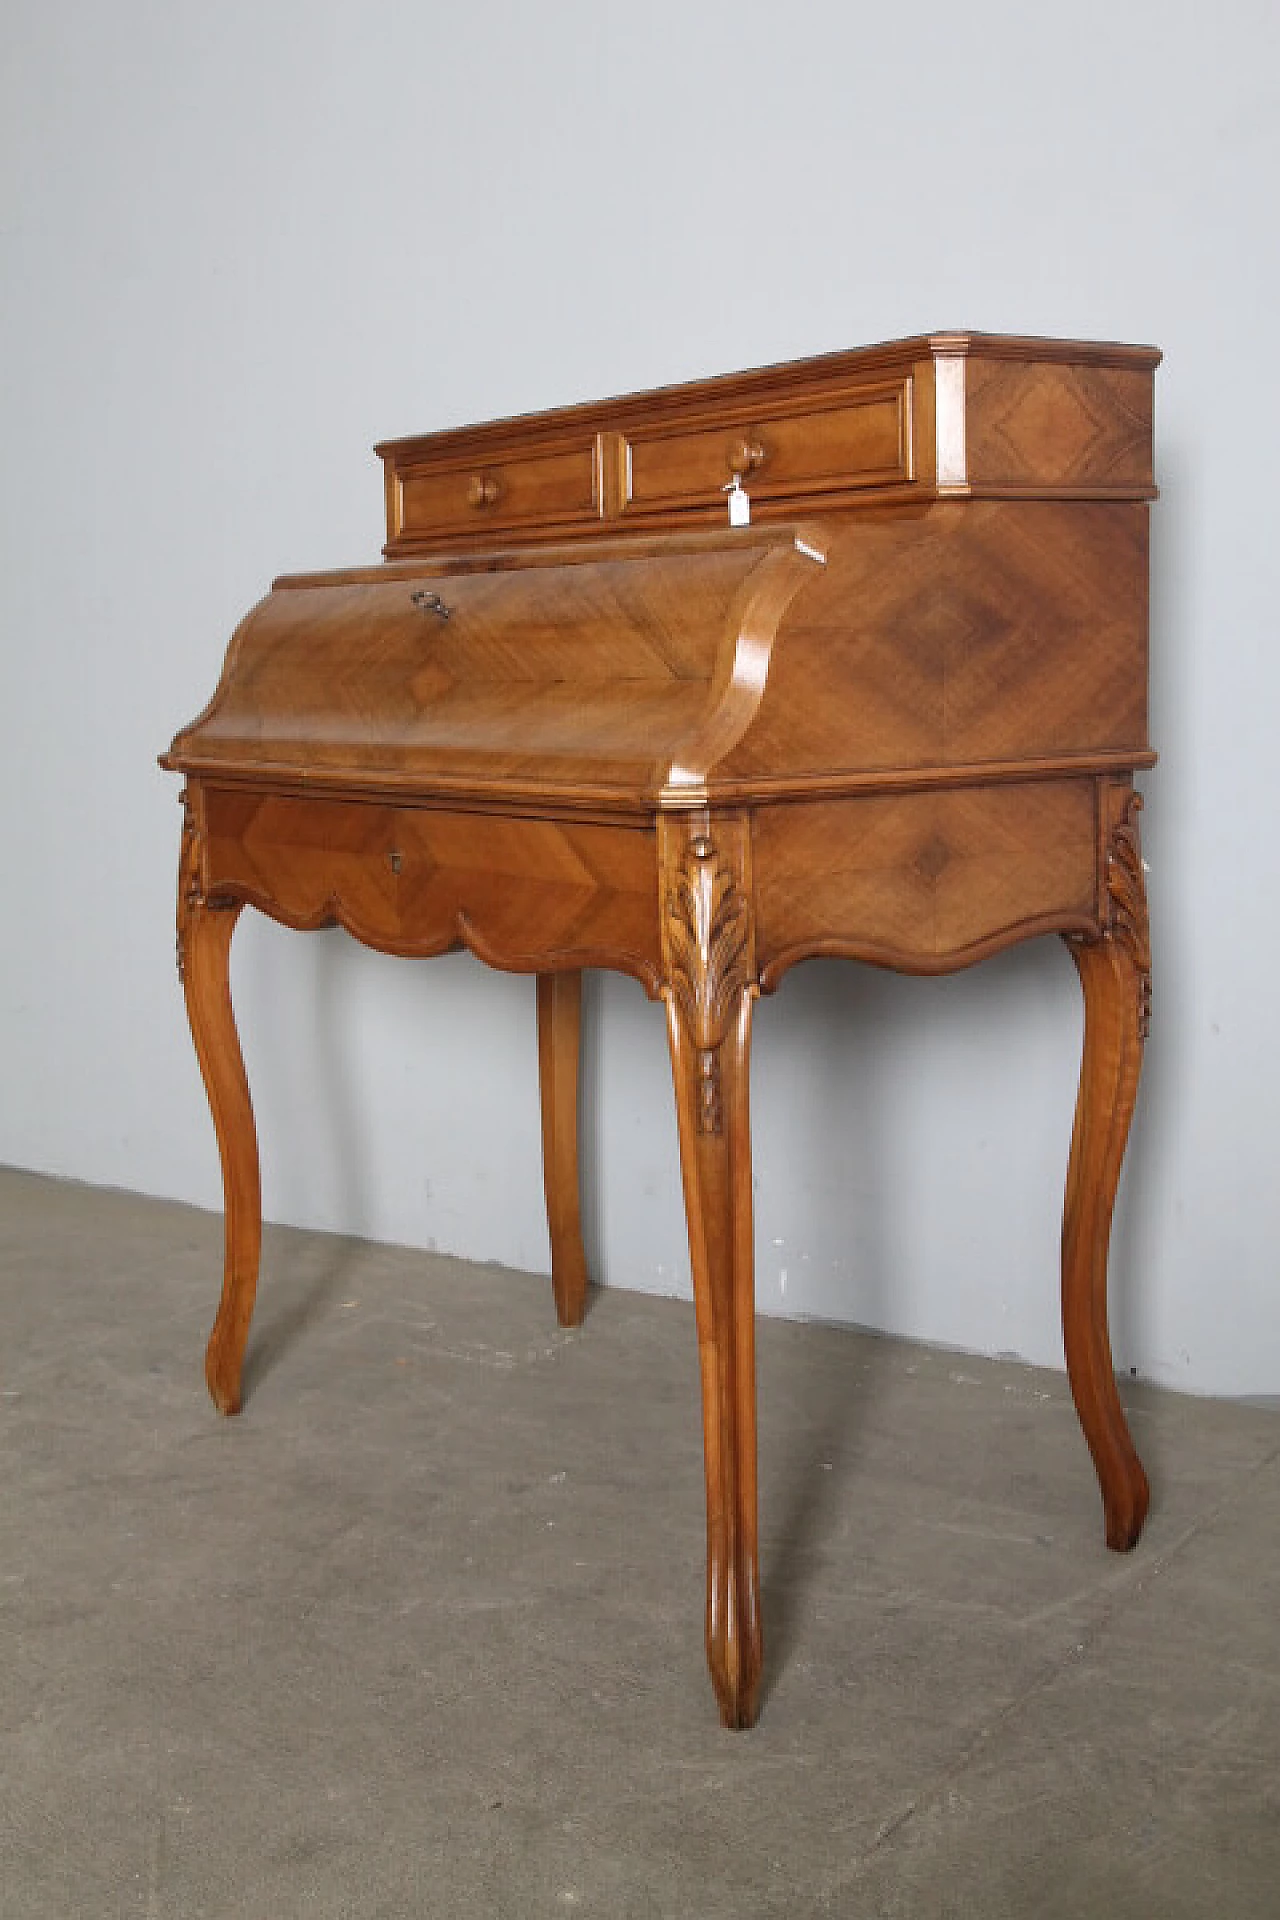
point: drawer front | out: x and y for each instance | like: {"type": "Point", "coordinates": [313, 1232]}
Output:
{"type": "Point", "coordinates": [457, 499]}
{"type": "Point", "coordinates": [784, 453]}
{"type": "Point", "coordinates": [526, 894]}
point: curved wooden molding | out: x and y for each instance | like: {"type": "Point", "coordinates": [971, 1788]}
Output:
{"type": "Point", "coordinates": [905, 960]}
{"type": "Point", "coordinates": [742, 669]}
{"type": "Point", "coordinates": [555, 959]}
{"type": "Point", "coordinates": [446, 934]}
{"type": "Point", "coordinates": [175, 760]}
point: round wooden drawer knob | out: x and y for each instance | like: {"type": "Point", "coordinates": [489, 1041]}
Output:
{"type": "Point", "coordinates": [745, 456]}
{"type": "Point", "coordinates": [481, 490]}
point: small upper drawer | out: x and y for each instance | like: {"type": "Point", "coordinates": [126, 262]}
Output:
{"type": "Point", "coordinates": [784, 451]}
{"type": "Point", "coordinates": [454, 498]}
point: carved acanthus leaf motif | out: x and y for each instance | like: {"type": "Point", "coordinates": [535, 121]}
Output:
{"type": "Point", "coordinates": [708, 944]}
{"type": "Point", "coordinates": [192, 898]}
{"type": "Point", "coordinates": [1127, 892]}
{"type": "Point", "coordinates": [190, 895]}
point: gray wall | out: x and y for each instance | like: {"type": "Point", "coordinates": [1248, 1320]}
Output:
{"type": "Point", "coordinates": [239, 243]}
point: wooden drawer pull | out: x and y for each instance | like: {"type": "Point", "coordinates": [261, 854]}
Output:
{"type": "Point", "coordinates": [745, 456]}
{"type": "Point", "coordinates": [481, 490]}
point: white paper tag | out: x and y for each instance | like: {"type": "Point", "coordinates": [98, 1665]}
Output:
{"type": "Point", "coordinates": [739, 504]}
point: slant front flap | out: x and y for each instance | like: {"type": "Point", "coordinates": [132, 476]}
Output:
{"type": "Point", "coordinates": [579, 675]}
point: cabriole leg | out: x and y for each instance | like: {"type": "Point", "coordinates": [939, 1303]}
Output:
{"type": "Point", "coordinates": [204, 950]}
{"type": "Point", "coordinates": [559, 1034]}
{"type": "Point", "coordinates": [707, 937]}
{"type": "Point", "coordinates": [1115, 973]}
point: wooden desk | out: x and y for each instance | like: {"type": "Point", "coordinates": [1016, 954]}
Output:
{"type": "Point", "coordinates": [576, 720]}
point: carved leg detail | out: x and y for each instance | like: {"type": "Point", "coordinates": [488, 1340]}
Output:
{"type": "Point", "coordinates": [717, 1189]}
{"type": "Point", "coordinates": [707, 935]}
{"type": "Point", "coordinates": [559, 1029]}
{"type": "Point", "coordinates": [204, 949]}
{"type": "Point", "coordinates": [1115, 975]}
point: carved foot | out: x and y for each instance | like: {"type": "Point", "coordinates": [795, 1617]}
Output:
{"type": "Point", "coordinates": [559, 1033]}
{"type": "Point", "coordinates": [224, 1358]}
{"type": "Point", "coordinates": [204, 948]}
{"type": "Point", "coordinates": [1115, 973]}
{"type": "Point", "coordinates": [708, 943]}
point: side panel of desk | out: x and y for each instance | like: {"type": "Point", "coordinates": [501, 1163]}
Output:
{"type": "Point", "coordinates": [969, 634]}
{"type": "Point", "coordinates": [926, 881]}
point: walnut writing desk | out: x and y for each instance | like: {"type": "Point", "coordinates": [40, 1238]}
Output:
{"type": "Point", "coordinates": [574, 719]}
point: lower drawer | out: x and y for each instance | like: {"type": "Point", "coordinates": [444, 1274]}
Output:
{"type": "Point", "coordinates": [524, 894]}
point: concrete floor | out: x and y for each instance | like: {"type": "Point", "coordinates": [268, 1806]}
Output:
{"type": "Point", "coordinates": [420, 1632]}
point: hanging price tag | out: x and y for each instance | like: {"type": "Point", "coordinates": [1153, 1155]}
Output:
{"type": "Point", "coordinates": [739, 502]}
